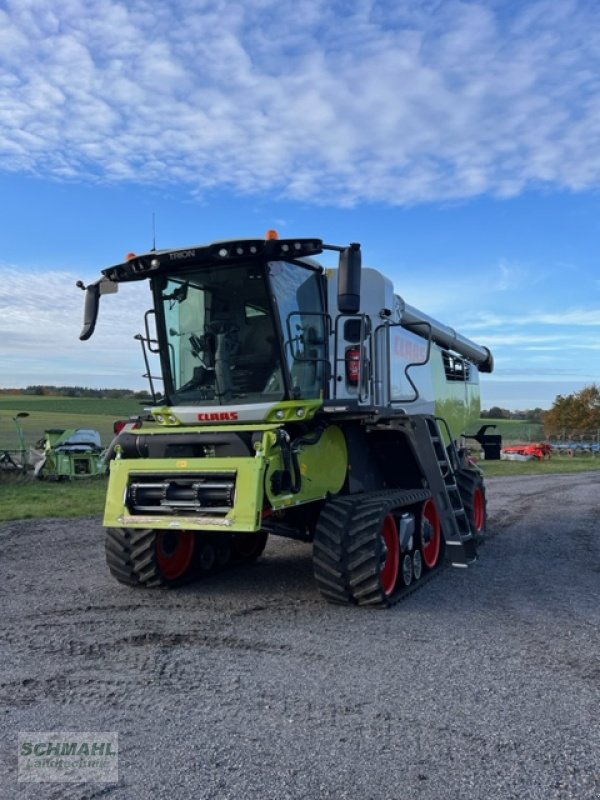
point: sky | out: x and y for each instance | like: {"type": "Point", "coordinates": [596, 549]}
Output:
{"type": "Point", "coordinates": [459, 142]}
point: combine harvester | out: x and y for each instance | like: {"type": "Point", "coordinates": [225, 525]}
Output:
{"type": "Point", "coordinates": [298, 401]}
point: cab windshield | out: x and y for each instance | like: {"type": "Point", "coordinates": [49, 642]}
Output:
{"type": "Point", "coordinates": [231, 341]}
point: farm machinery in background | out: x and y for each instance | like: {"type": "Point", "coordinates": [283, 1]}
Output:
{"type": "Point", "coordinates": [69, 454]}
{"type": "Point", "coordinates": [61, 454]}
{"type": "Point", "coordinates": [527, 452]}
{"type": "Point", "coordinates": [298, 401]}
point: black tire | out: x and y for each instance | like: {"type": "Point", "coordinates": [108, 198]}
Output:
{"type": "Point", "coordinates": [149, 557]}
{"type": "Point", "coordinates": [472, 492]}
{"type": "Point", "coordinates": [330, 550]}
{"type": "Point", "coordinates": [350, 555]}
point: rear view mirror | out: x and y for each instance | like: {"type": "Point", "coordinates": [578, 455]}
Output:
{"type": "Point", "coordinates": [92, 303]}
{"type": "Point", "coordinates": [349, 280]}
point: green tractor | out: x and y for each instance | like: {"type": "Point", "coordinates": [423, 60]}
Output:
{"type": "Point", "coordinates": [298, 401]}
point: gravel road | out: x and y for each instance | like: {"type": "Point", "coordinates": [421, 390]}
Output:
{"type": "Point", "coordinates": [484, 684]}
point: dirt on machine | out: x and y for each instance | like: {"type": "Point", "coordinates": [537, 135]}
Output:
{"type": "Point", "coordinates": [294, 400]}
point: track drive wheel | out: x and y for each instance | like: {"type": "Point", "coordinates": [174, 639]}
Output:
{"type": "Point", "coordinates": [150, 557]}
{"type": "Point", "coordinates": [430, 535]}
{"type": "Point", "coordinates": [472, 491]}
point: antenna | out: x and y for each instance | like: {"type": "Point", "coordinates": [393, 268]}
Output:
{"type": "Point", "coordinates": [153, 232]}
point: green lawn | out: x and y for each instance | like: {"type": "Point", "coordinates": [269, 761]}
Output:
{"type": "Point", "coordinates": [553, 466]}
{"type": "Point", "coordinates": [27, 498]}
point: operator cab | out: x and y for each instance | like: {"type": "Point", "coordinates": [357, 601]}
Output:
{"type": "Point", "coordinates": [237, 322]}
{"type": "Point", "coordinates": [242, 333]}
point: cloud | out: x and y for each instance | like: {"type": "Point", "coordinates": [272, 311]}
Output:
{"type": "Point", "coordinates": [40, 321]}
{"type": "Point", "coordinates": [372, 101]}
{"type": "Point", "coordinates": [573, 317]}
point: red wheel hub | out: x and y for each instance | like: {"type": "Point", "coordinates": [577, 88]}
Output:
{"type": "Point", "coordinates": [431, 534]}
{"type": "Point", "coordinates": [391, 549]}
{"type": "Point", "coordinates": [479, 510]}
{"type": "Point", "coordinates": [174, 553]}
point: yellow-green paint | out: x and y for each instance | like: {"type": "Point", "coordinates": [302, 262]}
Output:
{"type": "Point", "coordinates": [294, 410]}
{"type": "Point", "coordinates": [244, 516]}
{"type": "Point", "coordinates": [322, 468]}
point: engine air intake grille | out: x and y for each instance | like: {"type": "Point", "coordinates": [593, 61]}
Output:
{"type": "Point", "coordinates": [203, 493]}
{"type": "Point", "coordinates": [456, 368]}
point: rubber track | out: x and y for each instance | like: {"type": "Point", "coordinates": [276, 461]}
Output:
{"type": "Point", "coordinates": [347, 547]}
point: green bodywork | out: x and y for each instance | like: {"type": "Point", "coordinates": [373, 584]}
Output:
{"type": "Point", "coordinates": [322, 467]}
{"type": "Point", "coordinates": [457, 402]}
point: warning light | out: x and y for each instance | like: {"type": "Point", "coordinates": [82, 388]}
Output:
{"type": "Point", "coordinates": [272, 234]}
{"type": "Point", "coordinates": [130, 256]}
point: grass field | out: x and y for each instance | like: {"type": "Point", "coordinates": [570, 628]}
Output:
{"type": "Point", "coordinates": [25, 498]}
{"type": "Point", "coordinates": [553, 466]}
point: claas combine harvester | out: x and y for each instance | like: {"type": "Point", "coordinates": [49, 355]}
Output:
{"type": "Point", "coordinates": [298, 401]}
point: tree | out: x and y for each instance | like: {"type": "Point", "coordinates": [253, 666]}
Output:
{"type": "Point", "coordinates": [496, 413]}
{"type": "Point", "coordinates": [578, 411]}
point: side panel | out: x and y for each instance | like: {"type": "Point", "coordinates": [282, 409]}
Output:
{"type": "Point", "coordinates": [323, 467]}
{"type": "Point", "coordinates": [457, 401]}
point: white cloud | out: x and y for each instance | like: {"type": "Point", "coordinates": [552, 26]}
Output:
{"type": "Point", "coordinates": [40, 321]}
{"type": "Point", "coordinates": [573, 317]}
{"type": "Point", "coordinates": [384, 102]}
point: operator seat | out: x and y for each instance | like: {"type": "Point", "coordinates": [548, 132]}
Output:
{"type": "Point", "coordinates": [259, 351]}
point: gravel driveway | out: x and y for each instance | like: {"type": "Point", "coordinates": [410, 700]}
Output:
{"type": "Point", "coordinates": [484, 684]}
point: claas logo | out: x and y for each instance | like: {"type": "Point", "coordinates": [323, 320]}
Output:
{"type": "Point", "coordinates": [218, 416]}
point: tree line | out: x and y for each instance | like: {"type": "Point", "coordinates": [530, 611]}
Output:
{"type": "Point", "coordinates": [529, 415]}
{"type": "Point", "coordinates": [77, 391]}
{"type": "Point", "coordinates": [579, 411]}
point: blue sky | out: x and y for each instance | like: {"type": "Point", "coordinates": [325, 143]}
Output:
{"type": "Point", "coordinates": [459, 142]}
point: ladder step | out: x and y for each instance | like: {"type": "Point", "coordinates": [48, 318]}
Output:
{"type": "Point", "coordinates": [442, 480]}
